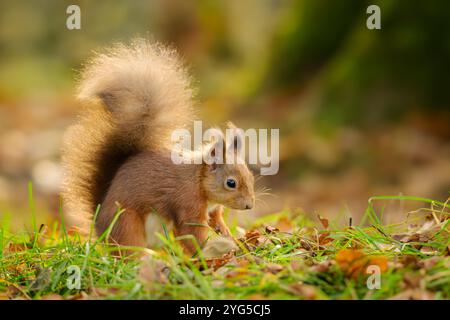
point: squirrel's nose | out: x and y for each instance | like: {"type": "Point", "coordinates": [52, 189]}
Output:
{"type": "Point", "coordinates": [248, 206]}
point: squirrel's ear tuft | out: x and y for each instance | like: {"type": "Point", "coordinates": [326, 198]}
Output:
{"type": "Point", "coordinates": [215, 150]}
{"type": "Point", "coordinates": [236, 135]}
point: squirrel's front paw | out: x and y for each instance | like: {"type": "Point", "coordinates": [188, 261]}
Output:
{"type": "Point", "coordinates": [223, 230]}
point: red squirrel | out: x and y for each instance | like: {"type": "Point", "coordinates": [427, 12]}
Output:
{"type": "Point", "coordinates": [118, 155]}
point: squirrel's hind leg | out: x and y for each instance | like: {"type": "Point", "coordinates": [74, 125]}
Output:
{"type": "Point", "coordinates": [129, 229]}
{"type": "Point", "coordinates": [197, 227]}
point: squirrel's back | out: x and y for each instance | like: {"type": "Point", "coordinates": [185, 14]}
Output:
{"type": "Point", "coordinates": [134, 97]}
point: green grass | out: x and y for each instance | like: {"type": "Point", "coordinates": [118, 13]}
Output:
{"type": "Point", "coordinates": [308, 262]}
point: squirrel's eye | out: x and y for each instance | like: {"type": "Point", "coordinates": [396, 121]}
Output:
{"type": "Point", "coordinates": [231, 183]}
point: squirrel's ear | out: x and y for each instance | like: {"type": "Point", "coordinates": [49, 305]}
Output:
{"type": "Point", "coordinates": [215, 153]}
{"type": "Point", "coordinates": [235, 139]}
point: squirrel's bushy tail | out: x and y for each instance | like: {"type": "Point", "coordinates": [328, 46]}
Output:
{"type": "Point", "coordinates": [135, 96]}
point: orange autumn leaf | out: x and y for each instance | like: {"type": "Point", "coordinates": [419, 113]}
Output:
{"type": "Point", "coordinates": [380, 261]}
{"type": "Point", "coordinates": [324, 238]}
{"type": "Point", "coordinates": [354, 262]}
{"type": "Point", "coordinates": [216, 263]}
{"type": "Point", "coordinates": [252, 237]}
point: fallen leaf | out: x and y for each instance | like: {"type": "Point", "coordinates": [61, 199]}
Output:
{"type": "Point", "coordinates": [305, 244]}
{"type": "Point", "coordinates": [270, 229]}
{"type": "Point", "coordinates": [405, 237]}
{"type": "Point", "coordinates": [273, 268]}
{"type": "Point", "coordinates": [324, 221]}
{"type": "Point", "coordinates": [354, 262]}
{"type": "Point", "coordinates": [324, 238]}
{"type": "Point", "coordinates": [235, 268]}
{"type": "Point", "coordinates": [254, 239]}
{"type": "Point", "coordinates": [216, 263]}
{"type": "Point", "coordinates": [251, 237]}
{"type": "Point", "coordinates": [429, 250]}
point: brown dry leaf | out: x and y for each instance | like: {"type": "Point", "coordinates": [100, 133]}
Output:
{"type": "Point", "coordinates": [305, 244]}
{"type": "Point", "coordinates": [216, 263]}
{"type": "Point", "coordinates": [324, 221]}
{"type": "Point", "coordinates": [270, 229]}
{"type": "Point", "coordinates": [273, 268]}
{"type": "Point", "coordinates": [354, 262]}
{"type": "Point", "coordinates": [254, 239]}
{"type": "Point", "coordinates": [406, 237]}
{"type": "Point", "coordinates": [251, 237]}
{"type": "Point", "coordinates": [303, 290]}
{"type": "Point", "coordinates": [237, 267]}
{"type": "Point", "coordinates": [424, 233]}
{"type": "Point", "coordinates": [324, 238]}
{"type": "Point", "coordinates": [429, 250]}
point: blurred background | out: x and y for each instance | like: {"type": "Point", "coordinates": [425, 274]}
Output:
{"type": "Point", "coordinates": [361, 112]}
